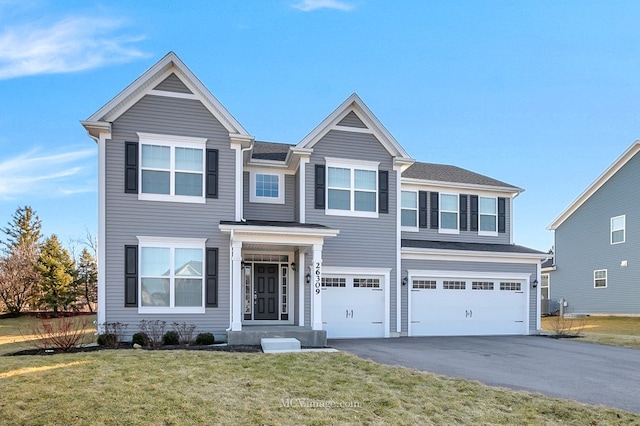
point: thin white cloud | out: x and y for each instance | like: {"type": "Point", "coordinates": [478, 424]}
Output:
{"type": "Point", "coordinates": [311, 5]}
{"type": "Point", "coordinates": [71, 44]}
{"type": "Point", "coordinates": [33, 174]}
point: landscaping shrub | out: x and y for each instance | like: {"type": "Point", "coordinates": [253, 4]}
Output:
{"type": "Point", "coordinates": [171, 338]}
{"type": "Point", "coordinates": [118, 329]}
{"type": "Point", "coordinates": [59, 333]}
{"type": "Point", "coordinates": [205, 339]}
{"type": "Point", "coordinates": [108, 339]}
{"type": "Point", "coordinates": [141, 339]}
{"type": "Point", "coordinates": [185, 332]}
{"type": "Point", "coordinates": [153, 329]}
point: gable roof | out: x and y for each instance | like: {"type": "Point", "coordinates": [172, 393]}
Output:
{"type": "Point", "coordinates": [453, 174]}
{"type": "Point", "coordinates": [354, 104]}
{"type": "Point", "coordinates": [169, 64]}
{"type": "Point", "coordinates": [270, 151]}
{"type": "Point", "coordinates": [596, 185]}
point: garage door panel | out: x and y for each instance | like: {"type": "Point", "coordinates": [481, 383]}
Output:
{"type": "Point", "coordinates": [480, 308]}
{"type": "Point", "coordinates": [353, 311]}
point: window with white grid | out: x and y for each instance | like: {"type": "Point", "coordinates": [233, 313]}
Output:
{"type": "Point", "coordinates": [424, 284]}
{"type": "Point", "coordinates": [454, 285]}
{"type": "Point", "coordinates": [482, 285]}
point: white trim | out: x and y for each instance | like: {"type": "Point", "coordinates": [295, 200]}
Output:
{"type": "Point", "coordinates": [596, 185]}
{"type": "Point", "coordinates": [416, 209]}
{"type": "Point", "coordinates": [302, 201]}
{"type": "Point", "coordinates": [301, 287]}
{"type": "Point", "coordinates": [169, 64]}
{"type": "Point", "coordinates": [352, 129]}
{"type": "Point", "coordinates": [171, 244]}
{"type": "Point", "coordinates": [355, 104]}
{"type": "Point", "coordinates": [253, 198]}
{"type": "Point", "coordinates": [398, 168]}
{"type": "Point", "coordinates": [606, 278]}
{"type": "Point", "coordinates": [428, 273]}
{"type": "Point", "coordinates": [369, 272]}
{"type": "Point", "coordinates": [352, 166]}
{"type": "Point", "coordinates": [411, 253]}
{"type": "Point", "coordinates": [168, 94]}
{"type": "Point", "coordinates": [495, 215]}
{"type": "Point", "coordinates": [171, 140]}
{"type": "Point", "coordinates": [102, 229]}
{"type": "Point", "coordinates": [623, 229]}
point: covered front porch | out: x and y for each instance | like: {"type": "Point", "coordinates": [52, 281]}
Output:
{"type": "Point", "coordinates": [276, 270]}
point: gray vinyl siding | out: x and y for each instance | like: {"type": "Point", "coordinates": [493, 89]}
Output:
{"type": "Point", "coordinates": [464, 236]}
{"type": "Point", "coordinates": [362, 242]}
{"type": "Point", "coordinates": [583, 245]}
{"type": "Point", "coordinates": [128, 217]}
{"type": "Point", "coordinates": [352, 120]}
{"type": "Point", "coordinates": [172, 84]}
{"type": "Point", "coordinates": [442, 265]}
{"type": "Point", "coordinates": [269, 211]}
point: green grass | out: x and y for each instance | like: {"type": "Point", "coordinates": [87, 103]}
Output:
{"type": "Point", "coordinates": [189, 387]}
{"type": "Point", "coordinates": [615, 331]}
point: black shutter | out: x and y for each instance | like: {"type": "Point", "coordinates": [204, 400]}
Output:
{"type": "Point", "coordinates": [130, 276]}
{"type": "Point", "coordinates": [463, 212]}
{"type": "Point", "coordinates": [423, 211]}
{"type": "Point", "coordinates": [474, 212]}
{"type": "Point", "coordinates": [383, 191]}
{"type": "Point", "coordinates": [131, 167]}
{"type": "Point", "coordinates": [320, 186]}
{"type": "Point", "coordinates": [435, 211]}
{"type": "Point", "coordinates": [212, 278]}
{"type": "Point", "coordinates": [212, 173]}
{"type": "Point", "coordinates": [502, 216]}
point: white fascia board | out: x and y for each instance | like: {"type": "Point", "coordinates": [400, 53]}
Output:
{"type": "Point", "coordinates": [514, 192]}
{"type": "Point", "coordinates": [596, 185]}
{"type": "Point", "coordinates": [96, 128]}
{"type": "Point", "coordinates": [278, 230]}
{"type": "Point", "coordinates": [473, 256]}
{"type": "Point", "coordinates": [354, 103]}
{"type": "Point", "coordinates": [158, 72]}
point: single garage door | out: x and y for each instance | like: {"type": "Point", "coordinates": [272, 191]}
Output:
{"type": "Point", "coordinates": [463, 307]}
{"type": "Point", "coordinates": [353, 306]}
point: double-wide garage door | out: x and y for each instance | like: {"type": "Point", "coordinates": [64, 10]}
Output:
{"type": "Point", "coordinates": [353, 306]}
{"type": "Point", "coordinates": [453, 306]}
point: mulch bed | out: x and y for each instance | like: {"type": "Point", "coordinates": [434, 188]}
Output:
{"type": "Point", "coordinates": [129, 346]}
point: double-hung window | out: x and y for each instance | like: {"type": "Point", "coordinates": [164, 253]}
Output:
{"type": "Point", "coordinates": [172, 168]}
{"type": "Point", "coordinates": [600, 278]}
{"type": "Point", "coordinates": [171, 275]}
{"type": "Point", "coordinates": [409, 207]}
{"type": "Point", "coordinates": [618, 225]}
{"type": "Point", "coordinates": [449, 213]}
{"type": "Point", "coordinates": [266, 187]}
{"type": "Point", "coordinates": [488, 212]}
{"type": "Point", "coordinates": [352, 188]}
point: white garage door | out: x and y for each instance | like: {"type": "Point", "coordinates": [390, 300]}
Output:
{"type": "Point", "coordinates": [353, 306]}
{"type": "Point", "coordinates": [463, 307]}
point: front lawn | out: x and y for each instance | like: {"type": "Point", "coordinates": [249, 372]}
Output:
{"type": "Point", "coordinates": [615, 331]}
{"type": "Point", "coordinates": [188, 387]}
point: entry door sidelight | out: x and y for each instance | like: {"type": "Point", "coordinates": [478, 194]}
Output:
{"type": "Point", "coordinates": [265, 298]}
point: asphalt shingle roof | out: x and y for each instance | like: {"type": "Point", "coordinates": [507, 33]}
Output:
{"type": "Point", "coordinates": [270, 150]}
{"type": "Point", "coordinates": [454, 174]}
{"type": "Point", "coordinates": [448, 245]}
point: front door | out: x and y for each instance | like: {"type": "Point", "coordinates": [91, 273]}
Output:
{"type": "Point", "coordinates": [265, 279]}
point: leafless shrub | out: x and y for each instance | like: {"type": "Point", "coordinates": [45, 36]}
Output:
{"type": "Point", "coordinates": [185, 332]}
{"type": "Point", "coordinates": [154, 329]}
{"type": "Point", "coordinates": [117, 329]}
{"type": "Point", "coordinates": [566, 326]}
{"type": "Point", "coordinates": [62, 333]}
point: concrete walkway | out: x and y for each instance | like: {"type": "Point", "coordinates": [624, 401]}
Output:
{"type": "Point", "coordinates": [565, 368]}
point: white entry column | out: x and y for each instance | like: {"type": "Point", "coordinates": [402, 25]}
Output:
{"type": "Point", "coordinates": [316, 288]}
{"type": "Point", "coordinates": [236, 285]}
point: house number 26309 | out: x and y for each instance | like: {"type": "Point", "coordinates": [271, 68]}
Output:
{"type": "Point", "coordinates": [316, 282]}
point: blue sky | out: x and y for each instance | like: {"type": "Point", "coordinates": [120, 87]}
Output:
{"type": "Point", "coordinates": [544, 95]}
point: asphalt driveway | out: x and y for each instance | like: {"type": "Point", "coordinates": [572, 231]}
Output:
{"type": "Point", "coordinates": [585, 372]}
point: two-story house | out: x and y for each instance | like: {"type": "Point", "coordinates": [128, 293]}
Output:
{"type": "Point", "coordinates": [340, 235]}
{"type": "Point", "coordinates": [597, 252]}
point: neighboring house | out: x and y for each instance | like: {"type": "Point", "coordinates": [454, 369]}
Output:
{"type": "Point", "coordinates": [547, 305]}
{"type": "Point", "coordinates": [597, 244]}
{"type": "Point", "coordinates": [341, 235]}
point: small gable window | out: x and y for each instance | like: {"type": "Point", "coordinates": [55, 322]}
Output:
{"type": "Point", "coordinates": [488, 207]}
{"type": "Point", "coordinates": [172, 168]}
{"type": "Point", "coordinates": [600, 278]}
{"type": "Point", "coordinates": [618, 225]}
{"type": "Point", "coordinates": [409, 214]}
{"type": "Point", "coordinates": [449, 213]}
{"type": "Point", "coordinates": [267, 187]}
{"type": "Point", "coordinates": [352, 188]}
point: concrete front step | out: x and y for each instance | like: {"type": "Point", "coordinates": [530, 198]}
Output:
{"type": "Point", "coordinates": [272, 345]}
{"type": "Point", "coordinates": [251, 335]}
